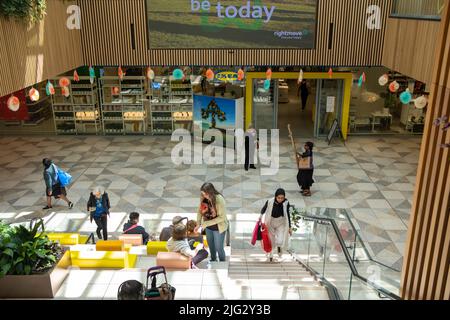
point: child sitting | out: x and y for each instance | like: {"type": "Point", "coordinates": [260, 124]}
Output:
{"type": "Point", "coordinates": [193, 236]}
{"type": "Point", "coordinates": [179, 243]}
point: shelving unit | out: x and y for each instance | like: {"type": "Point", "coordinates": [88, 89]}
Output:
{"type": "Point", "coordinates": [79, 113]}
{"type": "Point", "coordinates": [123, 110]}
{"type": "Point", "coordinates": [171, 105]}
{"type": "Point", "coordinates": [38, 111]}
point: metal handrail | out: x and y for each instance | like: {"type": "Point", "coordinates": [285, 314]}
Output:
{"type": "Point", "coordinates": [364, 246]}
{"type": "Point", "coordinates": [354, 270]}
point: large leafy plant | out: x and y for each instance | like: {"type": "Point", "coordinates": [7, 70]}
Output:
{"type": "Point", "coordinates": [25, 251]}
{"type": "Point", "coordinates": [28, 10]}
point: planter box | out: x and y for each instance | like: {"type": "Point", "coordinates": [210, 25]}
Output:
{"type": "Point", "coordinates": [36, 286]}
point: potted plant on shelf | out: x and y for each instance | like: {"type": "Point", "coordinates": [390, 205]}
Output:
{"type": "Point", "coordinates": [31, 265]}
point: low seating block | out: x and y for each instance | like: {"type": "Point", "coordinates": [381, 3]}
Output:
{"type": "Point", "coordinates": [153, 247]}
{"type": "Point", "coordinates": [103, 259]}
{"type": "Point", "coordinates": [109, 245]}
{"type": "Point", "coordinates": [65, 239]}
{"type": "Point", "coordinates": [133, 239]}
{"type": "Point", "coordinates": [173, 260]}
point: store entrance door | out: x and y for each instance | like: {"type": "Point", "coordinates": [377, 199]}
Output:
{"type": "Point", "coordinates": [265, 104]}
{"type": "Point", "coordinates": [329, 105]}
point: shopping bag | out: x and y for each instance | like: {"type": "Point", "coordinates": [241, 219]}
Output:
{"type": "Point", "coordinates": [266, 243]}
{"type": "Point", "coordinates": [305, 163]}
{"type": "Point", "coordinates": [64, 178]}
{"type": "Point", "coordinates": [256, 236]}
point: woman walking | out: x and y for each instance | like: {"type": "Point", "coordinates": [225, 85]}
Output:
{"type": "Point", "coordinates": [305, 174]}
{"type": "Point", "coordinates": [52, 185]}
{"type": "Point", "coordinates": [277, 218]}
{"type": "Point", "coordinates": [212, 215]}
{"type": "Point", "coordinates": [98, 207]}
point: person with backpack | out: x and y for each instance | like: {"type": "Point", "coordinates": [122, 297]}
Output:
{"type": "Point", "coordinates": [132, 227]}
{"type": "Point", "coordinates": [276, 216]}
{"type": "Point", "coordinates": [53, 187]}
{"type": "Point", "coordinates": [98, 207]}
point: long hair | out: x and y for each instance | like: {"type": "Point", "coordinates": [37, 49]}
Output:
{"type": "Point", "coordinates": [211, 191]}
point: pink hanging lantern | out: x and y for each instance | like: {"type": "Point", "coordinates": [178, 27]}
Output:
{"type": "Point", "coordinates": [269, 74]}
{"type": "Point", "coordinates": [76, 78]}
{"type": "Point", "coordinates": [64, 82]}
{"type": "Point", "coordinates": [121, 73]}
{"type": "Point", "coordinates": [210, 74]}
{"type": "Point", "coordinates": [394, 86]}
{"type": "Point", "coordinates": [241, 75]}
{"type": "Point", "coordinates": [13, 103]}
{"type": "Point", "coordinates": [150, 74]}
{"type": "Point", "coordinates": [330, 73]}
{"type": "Point", "coordinates": [33, 94]}
{"type": "Point", "coordinates": [65, 91]}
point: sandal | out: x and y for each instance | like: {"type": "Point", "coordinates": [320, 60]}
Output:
{"type": "Point", "coordinates": [47, 207]}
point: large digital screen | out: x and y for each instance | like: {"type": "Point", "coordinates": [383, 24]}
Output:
{"type": "Point", "coordinates": [205, 24]}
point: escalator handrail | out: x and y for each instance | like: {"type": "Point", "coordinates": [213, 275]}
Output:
{"type": "Point", "coordinates": [351, 265]}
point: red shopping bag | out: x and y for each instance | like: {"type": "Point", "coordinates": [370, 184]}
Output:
{"type": "Point", "coordinates": [266, 243]}
{"type": "Point", "coordinates": [257, 236]}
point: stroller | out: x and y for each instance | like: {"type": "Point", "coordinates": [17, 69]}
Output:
{"type": "Point", "coordinates": [164, 291]}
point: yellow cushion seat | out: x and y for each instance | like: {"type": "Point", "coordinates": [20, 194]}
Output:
{"type": "Point", "coordinates": [65, 239]}
{"type": "Point", "coordinates": [103, 259]}
{"type": "Point", "coordinates": [109, 245]}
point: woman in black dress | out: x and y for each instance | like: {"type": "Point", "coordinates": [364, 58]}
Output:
{"type": "Point", "coordinates": [305, 175]}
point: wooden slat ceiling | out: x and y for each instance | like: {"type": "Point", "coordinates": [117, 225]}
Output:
{"type": "Point", "coordinates": [33, 53]}
{"type": "Point", "coordinates": [106, 38]}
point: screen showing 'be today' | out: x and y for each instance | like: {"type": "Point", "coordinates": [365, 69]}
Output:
{"type": "Point", "coordinates": [208, 24]}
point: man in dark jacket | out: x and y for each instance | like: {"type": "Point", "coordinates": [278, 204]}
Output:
{"type": "Point", "coordinates": [132, 227]}
{"type": "Point", "coordinates": [98, 207]}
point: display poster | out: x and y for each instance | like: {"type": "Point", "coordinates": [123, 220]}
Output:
{"type": "Point", "coordinates": [331, 103]}
{"type": "Point", "coordinates": [8, 115]}
{"type": "Point", "coordinates": [206, 24]}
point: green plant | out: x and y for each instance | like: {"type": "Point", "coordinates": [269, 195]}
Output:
{"type": "Point", "coordinates": [296, 217]}
{"type": "Point", "coordinates": [28, 10]}
{"type": "Point", "coordinates": [25, 251]}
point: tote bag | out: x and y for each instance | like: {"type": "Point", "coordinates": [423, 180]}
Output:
{"type": "Point", "coordinates": [63, 177]}
{"type": "Point", "coordinates": [257, 234]}
{"type": "Point", "coordinates": [266, 243]}
{"type": "Point", "coordinates": [304, 163]}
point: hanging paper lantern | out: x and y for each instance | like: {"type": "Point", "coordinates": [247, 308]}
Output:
{"type": "Point", "coordinates": [120, 73]}
{"type": "Point", "coordinates": [150, 74]}
{"type": "Point", "coordinates": [269, 74]}
{"type": "Point", "coordinates": [383, 80]}
{"type": "Point", "coordinates": [394, 86]}
{"type": "Point", "coordinates": [300, 76]}
{"type": "Point", "coordinates": [91, 74]}
{"type": "Point", "coordinates": [33, 94]}
{"type": "Point", "coordinates": [330, 73]}
{"type": "Point", "coordinates": [178, 74]}
{"type": "Point", "coordinates": [421, 102]}
{"type": "Point", "coordinates": [13, 103]}
{"type": "Point", "coordinates": [210, 74]}
{"type": "Point", "coordinates": [115, 91]}
{"type": "Point", "coordinates": [65, 91]}
{"type": "Point", "coordinates": [363, 76]}
{"type": "Point", "coordinates": [266, 85]}
{"type": "Point", "coordinates": [76, 78]}
{"type": "Point", "coordinates": [49, 89]}
{"type": "Point", "coordinates": [360, 81]}
{"type": "Point", "coordinates": [64, 82]}
{"type": "Point", "coordinates": [241, 75]}
{"type": "Point", "coordinates": [406, 97]}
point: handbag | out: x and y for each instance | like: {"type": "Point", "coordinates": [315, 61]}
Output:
{"type": "Point", "coordinates": [266, 243]}
{"type": "Point", "coordinates": [304, 163]}
{"type": "Point", "coordinates": [257, 234]}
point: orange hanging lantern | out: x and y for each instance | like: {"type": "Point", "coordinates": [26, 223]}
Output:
{"type": "Point", "coordinates": [150, 74]}
{"type": "Point", "coordinates": [13, 103]}
{"type": "Point", "coordinates": [115, 91]}
{"type": "Point", "coordinates": [121, 73]}
{"type": "Point", "coordinates": [330, 73]}
{"type": "Point", "coordinates": [241, 75]}
{"type": "Point", "coordinates": [65, 91]}
{"type": "Point", "coordinates": [269, 74]}
{"type": "Point", "coordinates": [394, 86]}
{"type": "Point", "coordinates": [33, 94]}
{"type": "Point", "coordinates": [64, 82]}
{"type": "Point", "coordinates": [76, 78]}
{"type": "Point", "coordinates": [210, 74]}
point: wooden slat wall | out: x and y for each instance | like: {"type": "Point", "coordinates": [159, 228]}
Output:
{"type": "Point", "coordinates": [106, 38]}
{"type": "Point", "coordinates": [409, 47]}
{"type": "Point", "coordinates": [30, 54]}
{"type": "Point", "coordinates": [426, 272]}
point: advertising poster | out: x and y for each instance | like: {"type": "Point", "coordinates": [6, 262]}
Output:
{"type": "Point", "coordinates": [232, 24]}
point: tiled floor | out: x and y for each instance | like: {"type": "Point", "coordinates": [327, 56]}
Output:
{"type": "Point", "coordinates": [371, 177]}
